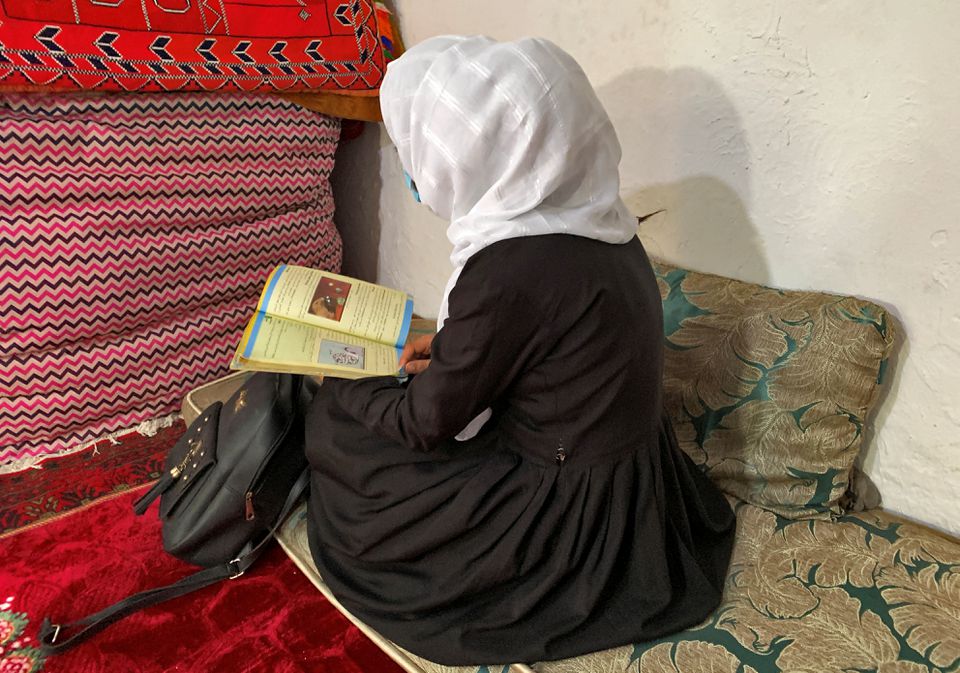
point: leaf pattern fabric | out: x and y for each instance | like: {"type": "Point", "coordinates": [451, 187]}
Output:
{"type": "Point", "coordinates": [769, 390]}
{"type": "Point", "coordinates": [865, 592]}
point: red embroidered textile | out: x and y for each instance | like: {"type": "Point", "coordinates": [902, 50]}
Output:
{"type": "Point", "coordinates": [193, 45]}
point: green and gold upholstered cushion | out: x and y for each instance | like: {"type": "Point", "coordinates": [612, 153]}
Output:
{"type": "Point", "coordinates": [769, 390]}
{"type": "Point", "coordinates": [862, 593]}
{"type": "Point", "coordinates": [865, 592]}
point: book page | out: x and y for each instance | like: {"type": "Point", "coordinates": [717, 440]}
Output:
{"type": "Point", "coordinates": [338, 303]}
{"type": "Point", "coordinates": [278, 344]}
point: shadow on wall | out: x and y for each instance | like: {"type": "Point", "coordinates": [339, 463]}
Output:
{"type": "Point", "coordinates": [685, 151]}
{"type": "Point", "coordinates": [356, 192]}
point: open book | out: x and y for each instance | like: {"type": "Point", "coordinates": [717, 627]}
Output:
{"type": "Point", "coordinates": [315, 322]}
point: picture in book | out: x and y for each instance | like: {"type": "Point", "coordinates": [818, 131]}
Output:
{"type": "Point", "coordinates": [329, 298]}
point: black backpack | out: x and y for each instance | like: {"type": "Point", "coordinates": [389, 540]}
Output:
{"type": "Point", "coordinates": [228, 484]}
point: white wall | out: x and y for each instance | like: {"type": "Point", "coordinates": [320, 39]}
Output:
{"type": "Point", "coordinates": [798, 144]}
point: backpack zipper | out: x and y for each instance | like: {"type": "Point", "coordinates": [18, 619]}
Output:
{"type": "Point", "coordinates": [248, 506]}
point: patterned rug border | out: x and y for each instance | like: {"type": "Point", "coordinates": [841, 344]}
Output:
{"type": "Point", "coordinates": [74, 510]}
{"type": "Point", "coordinates": [63, 483]}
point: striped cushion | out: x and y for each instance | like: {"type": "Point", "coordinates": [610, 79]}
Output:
{"type": "Point", "coordinates": [135, 235]}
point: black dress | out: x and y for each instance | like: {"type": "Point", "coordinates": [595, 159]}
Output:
{"type": "Point", "coordinates": [572, 522]}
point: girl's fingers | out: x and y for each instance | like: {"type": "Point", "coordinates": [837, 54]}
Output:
{"type": "Point", "coordinates": [408, 353]}
{"type": "Point", "coordinates": [416, 366]}
{"type": "Point", "coordinates": [417, 349]}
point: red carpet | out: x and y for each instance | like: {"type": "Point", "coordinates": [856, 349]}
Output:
{"type": "Point", "coordinates": [63, 483]}
{"type": "Point", "coordinates": [270, 620]}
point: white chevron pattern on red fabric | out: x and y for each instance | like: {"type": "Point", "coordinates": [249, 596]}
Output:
{"type": "Point", "coordinates": [136, 233]}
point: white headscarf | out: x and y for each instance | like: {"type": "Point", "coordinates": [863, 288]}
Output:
{"type": "Point", "coordinates": [504, 140]}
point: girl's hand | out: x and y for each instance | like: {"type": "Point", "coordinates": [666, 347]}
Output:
{"type": "Point", "coordinates": [416, 354]}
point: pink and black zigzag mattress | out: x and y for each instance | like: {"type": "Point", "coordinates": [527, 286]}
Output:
{"type": "Point", "coordinates": [135, 235]}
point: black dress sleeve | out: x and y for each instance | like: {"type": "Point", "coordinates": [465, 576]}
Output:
{"type": "Point", "coordinates": [487, 341]}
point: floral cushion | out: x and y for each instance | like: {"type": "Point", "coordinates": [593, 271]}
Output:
{"type": "Point", "coordinates": [769, 390]}
{"type": "Point", "coordinates": [863, 593]}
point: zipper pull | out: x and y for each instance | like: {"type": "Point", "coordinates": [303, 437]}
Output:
{"type": "Point", "coordinates": [248, 506]}
{"type": "Point", "coordinates": [561, 456]}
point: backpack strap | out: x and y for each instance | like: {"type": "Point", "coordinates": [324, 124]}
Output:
{"type": "Point", "coordinates": [54, 639]}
